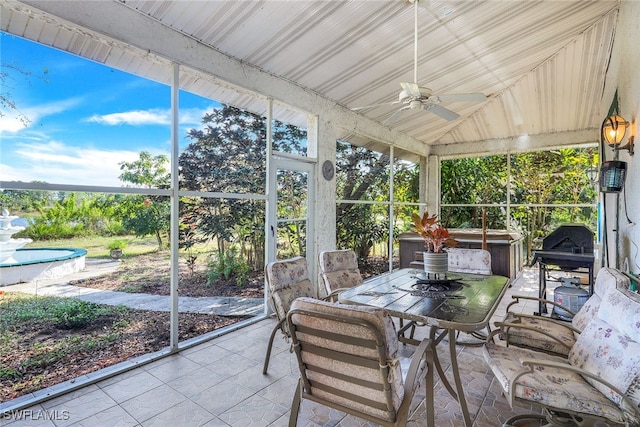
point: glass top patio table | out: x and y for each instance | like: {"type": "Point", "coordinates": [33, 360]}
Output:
{"type": "Point", "coordinates": [467, 305]}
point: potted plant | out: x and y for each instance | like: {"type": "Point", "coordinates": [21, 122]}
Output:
{"type": "Point", "coordinates": [436, 241]}
{"type": "Point", "coordinates": [116, 247]}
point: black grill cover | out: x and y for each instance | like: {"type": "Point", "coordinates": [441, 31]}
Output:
{"type": "Point", "coordinates": [571, 238]}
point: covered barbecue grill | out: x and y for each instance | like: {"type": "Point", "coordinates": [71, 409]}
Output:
{"type": "Point", "coordinates": [567, 248]}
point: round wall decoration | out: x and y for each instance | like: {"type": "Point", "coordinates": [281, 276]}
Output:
{"type": "Point", "coordinates": [328, 170]}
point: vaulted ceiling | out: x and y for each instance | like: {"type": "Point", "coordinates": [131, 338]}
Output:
{"type": "Point", "coordinates": [542, 64]}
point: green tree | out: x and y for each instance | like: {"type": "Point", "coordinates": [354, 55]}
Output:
{"type": "Point", "coordinates": [25, 201]}
{"type": "Point", "coordinates": [74, 214]}
{"type": "Point", "coordinates": [147, 172]}
{"type": "Point", "coordinates": [232, 133]}
{"type": "Point", "coordinates": [362, 175]}
{"type": "Point", "coordinates": [146, 215]}
{"type": "Point", "coordinates": [547, 178]}
{"type": "Point", "coordinates": [479, 180]}
{"type": "Point", "coordinates": [540, 179]}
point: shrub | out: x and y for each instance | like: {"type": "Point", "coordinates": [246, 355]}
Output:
{"type": "Point", "coordinates": [117, 244]}
{"type": "Point", "coordinates": [229, 265]}
{"type": "Point", "coordinates": [74, 314]}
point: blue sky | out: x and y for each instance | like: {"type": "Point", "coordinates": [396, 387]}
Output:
{"type": "Point", "coordinates": [85, 118]}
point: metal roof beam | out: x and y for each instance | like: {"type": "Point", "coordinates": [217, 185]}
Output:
{"type": "Point", "coordinates": [519, 144]}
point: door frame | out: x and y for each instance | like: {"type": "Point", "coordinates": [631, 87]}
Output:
{"type": "Point", "coordinates": [304, 165]}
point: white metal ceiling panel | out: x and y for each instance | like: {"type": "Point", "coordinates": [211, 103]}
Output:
{"type": "Point", "coordinates": [541, 63]}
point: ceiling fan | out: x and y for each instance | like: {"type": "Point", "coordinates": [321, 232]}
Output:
{"type": "Point", "coordinates": [414, 97]}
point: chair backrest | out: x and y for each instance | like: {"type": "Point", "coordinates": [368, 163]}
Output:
{"type": "Point", "coordinates": [287, 280]}
{"type": "Point", "coordinates": [347, 357]}
{"type": "Point", "coordinates": [606, 279]}
{"type": "Point", "coordinates": [339, 269]}
{"type": "Point", "coordinates": [609, 346]}
{"type": "Point", "coordinates": [464, 260]}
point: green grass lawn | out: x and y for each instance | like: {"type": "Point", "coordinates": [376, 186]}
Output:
{"type": "Point", "coordinates": [98, 246]}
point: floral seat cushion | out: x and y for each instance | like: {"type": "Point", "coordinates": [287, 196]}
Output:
{"type": "Point", "coordinates": [288, 280]}
{"type": "Point", "coordinates": [552, 387]}
{"type": "Point", "coordinates": [564, 337]}
{"type": "Point", "coordinates": [606, 279]}
{"type": "Point", "coordinates": [474, 261]}
{"type": "Point", "coordinates": [538, 337]}
{"type": "Point", "coordinates": [608, 348]}
{"type": "Point", "coordinates": [610, 345]}
{"type": "Point", "coordinates": [339, 269]}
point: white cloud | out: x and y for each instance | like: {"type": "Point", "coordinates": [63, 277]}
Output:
{"type": "Point", "coordinates": [12, 121]}
{"type": "Point", "coordinates": [135, 118]}
{"type": "Point", "coordinates": [55, 162]}
{"type": "Point", "coordinates": [188, 117]}
{"type": "Point", "coordinates": [193, 116]}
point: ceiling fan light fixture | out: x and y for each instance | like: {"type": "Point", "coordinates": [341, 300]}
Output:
{"type": "Point", "coordinates": [413, 96]}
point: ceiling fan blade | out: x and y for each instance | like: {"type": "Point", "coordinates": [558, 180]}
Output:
{"type": "Point", "coordinates": [461, 97]}
{"type": "Point", "coordinates": [441, 111]}
{"type": "Point", "coordinates": [392, 118]}
{"type": "Point", "coordinates": [374, 105]}
{"type": "Point", "coordinates": [411, 89]}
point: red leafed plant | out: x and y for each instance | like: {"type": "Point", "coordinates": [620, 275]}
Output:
{"type": "Point", "coordinates": [436, 237]}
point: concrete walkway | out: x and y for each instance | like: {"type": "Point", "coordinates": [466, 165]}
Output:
{"type": "Point", "coordinates": [221, 306]}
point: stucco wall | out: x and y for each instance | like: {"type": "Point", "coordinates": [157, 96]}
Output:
{"type": "Point", "coordinates": [624, 74]}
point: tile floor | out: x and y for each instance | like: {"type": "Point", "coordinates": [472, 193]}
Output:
{"type": "Point", "coordinates": [220, 383]}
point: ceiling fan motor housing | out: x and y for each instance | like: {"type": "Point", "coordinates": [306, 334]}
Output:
{"type": "Point", "coordinates": [405, 97]}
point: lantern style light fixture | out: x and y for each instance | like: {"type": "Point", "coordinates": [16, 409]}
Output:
{"type": "Point", "coordinates": [613, 131]}
{"type": "Point", "coordinates": [592, 174]}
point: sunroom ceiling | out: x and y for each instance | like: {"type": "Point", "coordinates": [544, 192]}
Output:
{"type": "Point", "coordinates": [541, 64]}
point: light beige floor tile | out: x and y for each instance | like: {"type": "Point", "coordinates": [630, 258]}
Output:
{"type": "Point", "coordinates": [255, 411]}
{"type": "Point", "coordinates": [175, 367]}
{"type": "Point", "coordinates": [114, 416]}
{"type": "Point", "coordinates": [152, 402]}
{"type": "Point", "coordinates": [81, 407]}
{"type": "Point", "coordinates": [194, 383]}
{"type": "Point", "coordinates": [185, 413]}
{"type": "Point", "coordinates": [209, 355]}
{"type": "Point", "coordinates": [128, 385]}
{"type": "Point", "coordinates": [281, 391]}
{"type": "Point", "coordinates": [222, 397]}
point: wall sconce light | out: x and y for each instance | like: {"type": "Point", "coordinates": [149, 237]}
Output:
{"type": "Point", "coordinates": [592, 174]}
{"type": "Point", "coordinates": [613, 131]}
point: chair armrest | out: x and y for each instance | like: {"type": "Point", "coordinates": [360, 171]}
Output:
{"type": "Point", "coordinates": [530, 364]}
{"type": "Point", "coordinates": [506, 326]}
{"type": "Point", "coordinates": [424, 351]}
{"type": "Point", "coordinates": [517, 299]}
{"type": "Point", "coordinates": [562, 323]}
{"type": "Point", "coordinates": [333, 295]}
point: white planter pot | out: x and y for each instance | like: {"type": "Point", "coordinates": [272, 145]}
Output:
{"type": "Point", "coordinates": [435, 263]}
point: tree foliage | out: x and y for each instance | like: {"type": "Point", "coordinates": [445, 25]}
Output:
{"type": "Point", "coordinates": [146, 215]}
{"type": "Point", "coordinates": [148, 171]}
{"type": "Point", "coordinates": [228, 155]}
{"type": "Point", "coordinates": [480, 180]}
{"type": "Point", "coordinates": [539, 180]}
{"type": "Point", "coordinates": [362, 175]}
{"type": "Point", "coordinates": [25, 201]}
